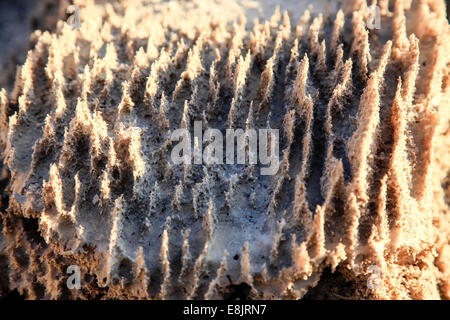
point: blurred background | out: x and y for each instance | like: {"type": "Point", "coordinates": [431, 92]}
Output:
{"type": "Point", "coordinates": [19, 18]}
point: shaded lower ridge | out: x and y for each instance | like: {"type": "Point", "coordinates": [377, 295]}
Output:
{"type": "Point", "coordinates": [339, 285]}
{"type": "Point", "coordinates": [241, 291]}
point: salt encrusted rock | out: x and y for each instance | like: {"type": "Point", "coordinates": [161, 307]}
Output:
{"type": "Point", "coordinates": [363, 118]}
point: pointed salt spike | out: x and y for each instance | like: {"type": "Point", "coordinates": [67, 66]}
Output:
{"type": "Point", "coordinates": [360, 45]}
{"type": "Point", "coordinates": [3, 115]}
{"type": "Point", "coordinates": [300, 83]}
{"type": "Point", "coordinates": [400, 40]}
{"type": "Point", "coordinates": [12, 125]}
{"type": "Point", "coordinates": [363, 140]}
{"type": "Point", "coordinates": [300, 190]}
{"type": "Point", "coordinates": [194, 65]}
{"type": "Point", "coordinates": [165, 264]}
{"type": "Point", "coordinates": [319, 232]}
{"type": "Point", "coordinates": [399, 165]}
{"type": "Point", "coordinates": [135, 75]}
{"type": "Point", "coordinates": [249, 123]}
{"type": "Point", "coordinates": [79, 198]}
{"type": "Point", "coordinates": [285, 164]}
{"type": "Point", "coordinates": [435, 78]}
{"type": "Point", "coordinates": [300, 258]}
{"type": "Point", "coordinates": [112, 155]}
{"type": "Point", "coordinates": [213, 76]}
{"type": "Point", "coordinates": [27, 77]}
{"type": "Point", "coordinates": [104, 185]}
{"type": "Point", "coordinates": [286, 27]}
{"type": "Point", "coordinates": [151, 86]}
{"type": "Point", "coordinates": [268, 127]}
{"type": "Point", "coordinates": [277, 49]}
{"type": "Point", "coordinates": [254, 37]}
{"type": "Point", "coordinates": [194, 99]}
{"type": "Point", "coordinates": [198, 268]}
{"type": "Point", "coordinates": [181, 52]}
{"type": "Point", "coordinates": [205, 119]}
{"type": "Point", "coordinates": [211, 292]}
{"type": "Point", "coordinates": [61, 105]}
{"type": "Point", "coordinates": [163, 106]}
{"type": "Point", "coordinates": [98, 137]}
{"type": "Point", "coordinates": [307, 139]}
{"type": "Point", "coordinates": [208, 220]}
{"type": "Point", "coordinates": [214, 85]}
{"type": "Point", "coordinates": [241, 73]}
{"type": "Point", "coordinates": [266, 39]}
{"type": "Point", "coordinates": [384, 7]}
{"type": "Point", "coordinates": [231, 182]}
{"type": "Point", "coordinates": [337, 256]}
{"type": "Point", "coordinates": [379, 236]}
{"type": "Point", "coordinates": [276, 17]}
{"type": "Point", "coordinates": [345, 86]}
{"type": "Point", "coordinates": [301, 209]}
{"type": "Point", "coordinates": [230, 120]}
{"type": "Point", "coordinates": [338, 64]}
{"type": "Point", "coordinates": [139, 286]}
{"type": "Point", "coordinates": [267, 81]}
{"type": "Point", "coordinates": [233, 53]}
{"type": "Point", "coordinates": [337, 30]}
{"type": "Point", "coordinates": [55, 184]}
{"type": "Point", "coordinates": [186, 256]}
{"type": "Point", "coordinates": [126, 104]}
{"type": "Point", "coordinates": [87, 82]}
{"type": "Point", "coordinates": [195, 195]}
{"type": "Point", "coordinates": [83, 116]}
{"type": "Point", "coordinates": [54, 63]}
{"type": "Point", "coordinates": [301, 27]}
{"type": "Point", "coordinates": [154, 197]}
{"type": "Point", "coordinates": [242, 20]}
{"type": "Point", "coordinates": [292, 65]}
{"type": "Point", "coordinates": [328, 125]}
{"type": "Point", "coordinates": [49, 128]}
{"type": "Point", "coordinates": [48, 137]}
{"type": "Point", "coordinates": [264, 274]}
{"type": "Point", "coordinates": [340, 91]}
{"type": "Point", "coordinates": [276, 241]}
{"type": "Point", "coordinates": [423, 187]}
{"type": "Point", "coordinates": [333, 175]}
{"type": "Point", "coordinates": [246, 275]}
{"type": "Point", "coordinates": [177, 197]}
{"type": "Point", "coordinates": [313, 38]}
{"type": "Point", "coordinates": [399, 123]}
{"type": "Point", "coordinates": [412, 72]}
{"type": "Point", "coordinates": [322, 59]}
{"type": "Point", "coordinates": [136, 155]}
{"type": "Point", "coordinates": [116, 216]}
{"type": "Point", "coordinates": [111, 59]}
{"type": "Point", "coordinates": [185, 121]}
{"type": "Point", "coordinates": [152, 49]}
{"type": "Point", "coordinates": [295, 255]}
{"type": "Point", "coordinates": [352, 236]}
{"type": "Point", "coordinates": [140, 59]}
{"type": "Point", "coordinates": [18, 85]}
{"type": "Point", "coordinates": [382, 219]}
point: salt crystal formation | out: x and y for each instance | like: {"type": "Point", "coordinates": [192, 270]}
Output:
{"type": "Point", "coordinates": [364, 155]}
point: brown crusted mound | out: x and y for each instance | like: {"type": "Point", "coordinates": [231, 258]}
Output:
{"type": "Point", "coordinates": [364, 140]}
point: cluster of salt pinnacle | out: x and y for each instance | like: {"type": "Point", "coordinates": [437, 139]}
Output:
{"type": "Point", "coordinates": [363, 116]}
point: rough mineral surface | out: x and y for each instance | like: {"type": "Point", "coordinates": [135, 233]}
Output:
{"type": "Point", "coordinates": [360, 200]}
